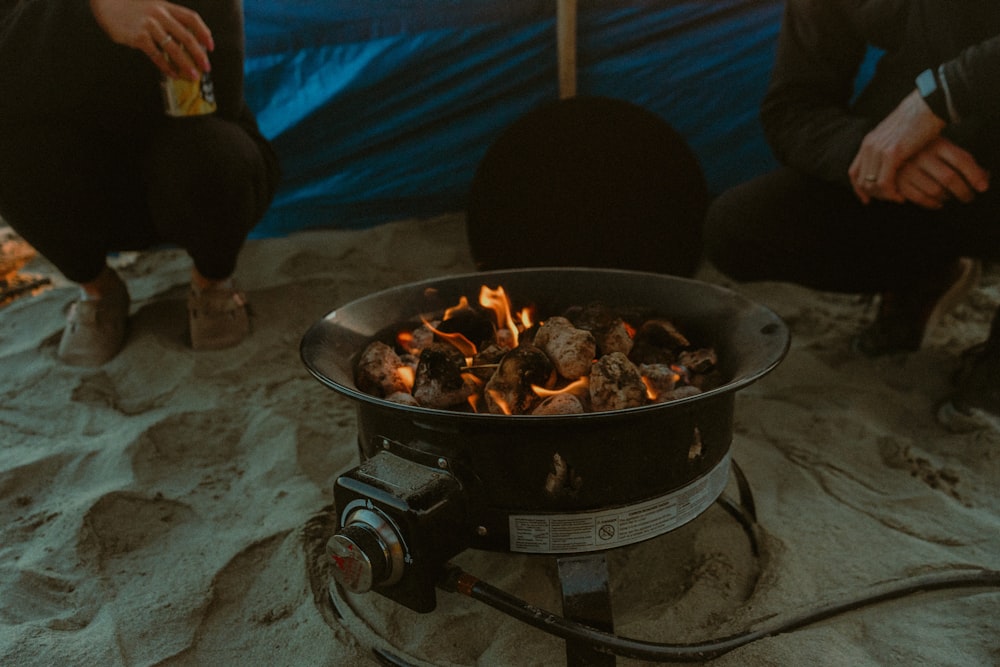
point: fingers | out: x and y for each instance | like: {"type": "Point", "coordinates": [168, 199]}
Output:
{"type": "Point", "coordinates": [858, 182]}
{"type": "Point", "coordinates": [907, 130]}
{"type": "Point", "coordinates": [873, 182]}
{"type": "Point", "coordinates": [921, 189]}
{"type": "Point", "coordinates": [181, 42]}
{"type": "Point", "coordinates": [958, 169]}
{"type": "Point", "coordinates": [951, 184]}
{"type": "Point", "coordinates": [177, 58]}
{"type": "Point", "coordinates": [941, 173]}
{"type": "Point", "coordinates": [173, 37]}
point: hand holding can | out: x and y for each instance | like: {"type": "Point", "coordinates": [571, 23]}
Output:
{"type": "Point", "coordinates": [173, 37]}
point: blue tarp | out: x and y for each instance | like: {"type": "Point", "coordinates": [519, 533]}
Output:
{"type": "Point", "coordinates": [382, 109]}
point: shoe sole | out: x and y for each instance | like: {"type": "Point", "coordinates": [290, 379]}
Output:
{"type": "Point", "coordinates": [960, 421]}
{"type": "Point", "coordinates": [213, 330]}
{"type": "Point", "coordinates": [86, 346]}
{"type": "Point", "coordinates": [971, 272]}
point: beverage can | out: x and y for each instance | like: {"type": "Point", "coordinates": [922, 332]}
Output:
{"type": "Point", "coordinates": [184, 97]}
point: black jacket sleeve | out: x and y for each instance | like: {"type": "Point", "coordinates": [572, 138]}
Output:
{"type": "Point", "coordinates": [973, 79]}
{"type": "Point", "coordinates": [806, 112]}
{"type": "Point", "coordinates": [810, 114]}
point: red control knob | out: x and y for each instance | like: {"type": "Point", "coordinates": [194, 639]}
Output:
{"type": "Point", "coordinates": [366, 552]}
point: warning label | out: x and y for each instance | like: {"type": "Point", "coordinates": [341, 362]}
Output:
{"type": "Point", "coordinates": [620, 526]}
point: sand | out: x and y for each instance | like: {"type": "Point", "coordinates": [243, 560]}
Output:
{"type": "Point", "coordinates": [170, 508]}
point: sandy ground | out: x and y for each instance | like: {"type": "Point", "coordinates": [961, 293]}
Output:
{"type": "Point", "coordinates": [169, 507]}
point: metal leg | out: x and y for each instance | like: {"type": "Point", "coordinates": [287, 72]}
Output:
{"type": "Point", "coordinates": [586, 598]}
{"type": "Point", "coordinates": [745, 512]}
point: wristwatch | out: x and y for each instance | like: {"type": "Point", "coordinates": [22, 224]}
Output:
{"type": "Point", "coordinates": [927, 84]}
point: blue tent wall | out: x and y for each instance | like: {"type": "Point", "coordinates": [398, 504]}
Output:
{"type": "Point", "coordinates": [382, 109]}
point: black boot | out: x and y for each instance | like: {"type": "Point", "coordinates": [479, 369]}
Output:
{"type": "Point", "coordinates": [906, 317]}
{"type": "Point", "coordinates": [976, 402]}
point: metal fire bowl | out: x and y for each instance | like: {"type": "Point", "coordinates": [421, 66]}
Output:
{"type": "Point", "coordinates": [511, 464]}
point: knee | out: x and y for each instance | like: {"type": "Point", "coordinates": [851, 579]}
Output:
{"type": "Point", "coordinates": [202, 150]}
{"type": "Point", "coordinates": [210, 160]}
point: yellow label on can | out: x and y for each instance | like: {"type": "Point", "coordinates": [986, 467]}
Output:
{"type": "Point", "coordinates": [183, 97]}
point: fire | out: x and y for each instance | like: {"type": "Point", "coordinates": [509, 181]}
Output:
{"type": "Point", "coordinates": [508, 327]}
{"type": "Point", "coordinates": [473, 398]}
{"type": "Point", "coordinates": [497, 301]}
{"type": "Point", "coordinates": [650, 389]}
{"type": "Point", "coordinates": [527, 317]}
{"type": "Point", "coordinates": [406, 341]}
{"type": "Point", "coordinates": [578, 387]}
{"type": "Point", "coordinates": [464, 345]}
{"type": "Point", "coordinates": [653, 389]}
{"type": "Point", "coordinates": [407, 375]}
{"type": "Point", "coordinates": [463, 303]}
{"type": "Point", "coordinates": [501, 403]}
{"type": "Point", "coordinates": [16, 254]}
{"type": "Point", "coordinates": [610, 383]}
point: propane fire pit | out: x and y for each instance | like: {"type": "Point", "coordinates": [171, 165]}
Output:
{"type": "Point", "coordinates": [434, 482]}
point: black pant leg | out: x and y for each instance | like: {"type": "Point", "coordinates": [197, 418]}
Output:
{"type": "Point", "coordinates": [789, 227]}
{"type": "Point", "coordinates": [207, 182]}
{"type": "Point", "coordinates": [71, 195]}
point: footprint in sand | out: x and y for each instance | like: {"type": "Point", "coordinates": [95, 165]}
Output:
{"type": "Point", "coordinates": [165, 454]}
{"type": "Point", "coordinates": [920, 466]}
{"type": "Point", "coordinates": [131, 393]}
{"type": "Point", "coordinates": [121, 523]}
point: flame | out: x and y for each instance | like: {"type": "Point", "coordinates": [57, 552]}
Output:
{"type": "Point", "coordinates": [405, 340]}
{"type": "Point", "coordinates": [578, 387]}
{"type": "Point", "coordinates": [407, 375]}
{"type": "Point", "coordinates": [527, 317]}
{"type": "Point", "coordinates": [474, 397]}
{"type": "Point", "coordinates": [651, 393]}
{"type": "Point", "coordinates": [629, 329]}
{"type": "Point", "coordinates": [499, 400]}
{"type": "Point", "coordinates": [464, 345]}
{"type": "Point", "coordinates": [680, 373]}
{"type": "Point", "coordinates": [497, 301]}
{"type": "Point", "coordinates": [463, 304]}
